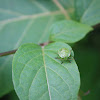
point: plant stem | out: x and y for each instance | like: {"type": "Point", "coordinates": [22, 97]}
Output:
{"type": "Point", "coordinates": [13, 51]}
{"type": "Point", "coordinates": [45, 43]}
{"type": "Point", "coordinates": [7, 53]}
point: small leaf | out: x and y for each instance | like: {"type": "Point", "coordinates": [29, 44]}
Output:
{"type": "Point", "coordinates": [68, 31]}
{"type": "Point", "coordinates": [37, 75]}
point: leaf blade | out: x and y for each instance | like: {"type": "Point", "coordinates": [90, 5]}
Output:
{"type": "Point", "coordinates": [51, 79]}
{"type": "Point", "coordinates": [68, 31]}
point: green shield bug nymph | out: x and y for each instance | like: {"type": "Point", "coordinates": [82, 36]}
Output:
{"type": "Point", "coordinates": [65, 54]}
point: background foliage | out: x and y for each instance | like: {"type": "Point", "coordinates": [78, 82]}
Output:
{"type": "Point", "coordinates": [30, 23]}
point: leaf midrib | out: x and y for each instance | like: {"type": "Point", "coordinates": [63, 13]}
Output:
{"type": "Point", "coordinates": [31, 16]}
{"type": "Point", "coordinates": [46, 72]}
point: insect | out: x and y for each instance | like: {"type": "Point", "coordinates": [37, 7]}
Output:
{"type": "Point", "coordinates": [65, 55]}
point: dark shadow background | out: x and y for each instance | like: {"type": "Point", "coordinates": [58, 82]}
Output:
{"type": "Point", "coordinates": [87, 56]}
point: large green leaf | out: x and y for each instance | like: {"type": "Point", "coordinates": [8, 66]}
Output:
{"type": "Point", "coordinates": [37, 75]}
{"type": "Point", "coordinates": [88, 11]}
{"type": "Point", "coordinates": [68, 31]}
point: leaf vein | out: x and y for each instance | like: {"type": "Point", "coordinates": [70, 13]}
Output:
{"type": "Point", "coordinates": [62, 66]}
{"type": "Point", "coordinates": [10, 12]}
{"type": "Point", "coordinates": [63, 80]}
{"type": "Point", "coordinates": [46, 72]}
{"type": "Point", "coordinates": [56, 90]}
{"type": "Point", "coordinates": [30, 17]}
{"type": "Point", "coordinates": [46, 29]}
{"type": "Point", "coordinates": [40, 6]}
{"type": "Point", "coordinates": [24, 33]}
{"type": "Point", "coordinates": [33, 79]}
{"type": "Point", "coordinates": [25, 66]}
{"type": "Point", "coordinates": [61, 9]}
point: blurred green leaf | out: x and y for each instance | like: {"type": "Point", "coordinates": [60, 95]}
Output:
{"type": "Point", "coordinates": [38, 75]}
{"type": "Point", "coordinates": [68, 31]}
{"type": "Point", "coordinates": [5, 75]}
{"type": "Point", "coordinates": [88, 11]}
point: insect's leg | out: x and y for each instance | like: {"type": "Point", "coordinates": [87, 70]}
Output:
{"type": "Point", "coordinates": [61, 62]}
{"type": "Point", "coordinates": [71, 58]}
{"type": "Point", "coordinates": [56, 57]}
{"type": "Point", "coordinates": [59, 58]}
{"type": "Point", "coordinates": [69, 61]}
